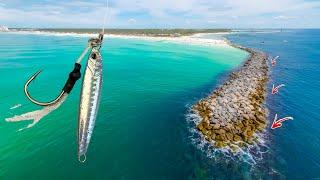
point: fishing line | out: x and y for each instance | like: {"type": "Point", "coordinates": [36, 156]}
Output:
{"type": "Point", "coordinates": [90, 93]}
{"type": "Point", "coordinates": [106, 15]}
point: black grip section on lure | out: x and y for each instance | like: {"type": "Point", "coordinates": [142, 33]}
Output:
{"type": "Point", "coordinates": [100, 37]}
{"type": "Point", "coordinates": [74, 75]}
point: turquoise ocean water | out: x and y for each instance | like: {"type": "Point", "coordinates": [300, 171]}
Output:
{"type": "Point", "coordinates": [141, 131]}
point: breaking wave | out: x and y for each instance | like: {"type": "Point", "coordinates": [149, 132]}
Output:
{"type": "Point", "coordinates": [44, 33]}
{"type": "Point", "coordinates": [248, 153]}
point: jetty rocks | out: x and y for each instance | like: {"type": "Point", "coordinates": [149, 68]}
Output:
{"type": "Point", "coordinates": [233, 114]}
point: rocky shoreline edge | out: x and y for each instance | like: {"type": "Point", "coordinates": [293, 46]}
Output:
{"type": "Point", "coordinates": [234, 114]}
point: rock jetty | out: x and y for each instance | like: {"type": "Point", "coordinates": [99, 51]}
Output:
{"type": "Point", "coordinates": [233, 114]}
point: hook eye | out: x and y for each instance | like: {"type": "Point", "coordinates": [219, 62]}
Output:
{"type": "Point", "coordinates": [82, 158]}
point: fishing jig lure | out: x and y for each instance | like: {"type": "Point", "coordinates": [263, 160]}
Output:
{"type": "Point", "coordinates": [90, 93]}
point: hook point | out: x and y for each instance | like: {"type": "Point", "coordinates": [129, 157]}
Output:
{"type": "Point", "coordinates": [34, 76]}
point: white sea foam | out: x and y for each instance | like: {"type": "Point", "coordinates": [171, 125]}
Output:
{"type": "Point", "coordinates": [16, 106]}
{"type": "Point", "coordinates": [37, 115]}
{"type": "Point", "coordinates": [44, 33]}
{"type": "Point", "coordinates": [248, 153]}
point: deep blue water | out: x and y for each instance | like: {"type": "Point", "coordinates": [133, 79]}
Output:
{"type": "Point", "coordinates": [295, 147]}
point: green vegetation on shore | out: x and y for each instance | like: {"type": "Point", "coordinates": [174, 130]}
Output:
{"type": "Point", "coordinates": [138, 32]}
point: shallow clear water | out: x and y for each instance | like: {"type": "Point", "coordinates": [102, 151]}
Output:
{"type": "Point", "coordinates": [295, 147]}
{"type": "Point", "coordinates": [141, 130]}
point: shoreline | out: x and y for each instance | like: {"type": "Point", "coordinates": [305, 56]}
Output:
{"type": "Point", "coordinates": [234, 114]}
{"type": "Point", "coordinates": [229, 126]}
{"type": "Point", "coordinates": [194, 39]}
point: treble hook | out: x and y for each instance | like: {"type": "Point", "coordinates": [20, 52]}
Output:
{"type": "Point", "coordinates": [74, 75]}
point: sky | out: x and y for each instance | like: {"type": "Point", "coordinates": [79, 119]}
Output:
{"type": "Point", "coordinates": [161, 13]}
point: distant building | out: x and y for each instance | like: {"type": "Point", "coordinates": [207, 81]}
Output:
{"type": "Point", "coordinates": [4, 29]}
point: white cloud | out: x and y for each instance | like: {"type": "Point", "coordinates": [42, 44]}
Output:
{"type": "Point", "coordinates": [245, 13]}
{"type": "Point", "coordinates": [281, 17]}
{"type": "Point", "coordinates": [64, 14]}
{"type": "Point", "coordinates": [211, 21]}
{"type": "Point", "coordinates": [55, 12]}
{"type": "Point", "coordinates": [162, 13]}
{"type": "Point", "coordinates": [234, 17]}
{"type": "Point", "coordinates": [132, 20]}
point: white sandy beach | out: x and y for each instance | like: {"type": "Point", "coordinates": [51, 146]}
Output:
{"type": "Point", "coordinates": [195, 39]}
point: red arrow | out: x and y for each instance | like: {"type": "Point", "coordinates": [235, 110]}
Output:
{"type": "Point", "coordinates": [275, 90]}
{"type": "Point", "coordinates": [278, 123]}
